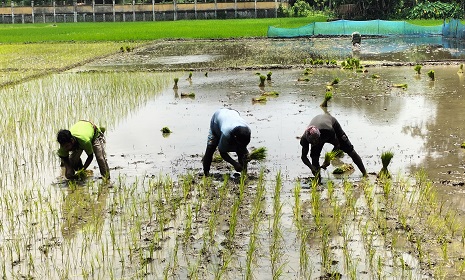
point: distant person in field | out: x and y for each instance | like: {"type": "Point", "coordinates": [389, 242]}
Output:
{"type": "Point", "coordinates": [230, 133]}
{"type": "Point", "coordinates": [324, 129]}
{"type": "Point", "coordinates": [82, 136]}
{"type": "Point", "coordinates": [356, 40]}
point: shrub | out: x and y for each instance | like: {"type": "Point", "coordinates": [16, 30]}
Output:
{"type": "Point", "coordinates": [435, 10]}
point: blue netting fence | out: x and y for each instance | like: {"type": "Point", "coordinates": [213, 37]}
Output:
{"type": "Point", "coordinates": [454, 29]}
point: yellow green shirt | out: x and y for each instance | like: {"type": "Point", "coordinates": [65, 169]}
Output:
{"type": "Point", "coordinates": [83, 131]}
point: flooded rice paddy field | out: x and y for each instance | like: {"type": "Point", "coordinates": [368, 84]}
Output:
{"type": "Point", "coordinates": [158, 217]}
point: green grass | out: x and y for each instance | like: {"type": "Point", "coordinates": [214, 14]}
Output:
{"type": "Point", "coordinates": [141, 31]}
{"type": "Point", "coordinates": [426, 22]}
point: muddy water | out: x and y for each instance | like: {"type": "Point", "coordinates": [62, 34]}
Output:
{"type": "Point", "coordinates": [422, 124]}
{"type": "Point", "coordinates": [285, 53]}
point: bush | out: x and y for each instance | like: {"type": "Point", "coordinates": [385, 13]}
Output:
{"type": "Point", "coordinates": [301, 9]}
{"type": "Point", "coordinates": [435, 10]}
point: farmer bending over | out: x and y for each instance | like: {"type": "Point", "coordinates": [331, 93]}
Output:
{"type": "Point", "coordinates": [323, 129]}
{"type": "Point", "coordinates": [82, 136]}
{"type": "Point", "coordinates": [230, 133]}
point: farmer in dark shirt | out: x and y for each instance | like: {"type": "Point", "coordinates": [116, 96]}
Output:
{"type": "Point", "coordinates": [230, 133]}
{"type": "Point", "coordinates": [323, 129]}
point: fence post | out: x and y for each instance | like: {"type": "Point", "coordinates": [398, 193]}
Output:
{"type": "Point", "coordinates": [175, 11]}
{"type": "Point", "coordinates": [93, 10]}
{"type": "Point", "coordinates": [113, 9]}
{"type": "Point", "coordinates": [195, 8]}
{"type": "Point", "coordinates": [216, 8]}
{"type": "Point", "coordinates": [133, 10]}
{"type": "Point", "coordinates": [32, 6]}
{"type": "Point", "coordinates": [153, 10]}
{"type": "Point", "coordinates": [12, 13]}
{"type": "Point", "coordinates": [54, 12]}
{"type": "Point", "coordinates": [75, 10]}
{"type": "Point", "coordinates": [255, 8]}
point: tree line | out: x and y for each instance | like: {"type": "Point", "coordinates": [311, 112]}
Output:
{"type": "Point", "coordinates": [381, 9]}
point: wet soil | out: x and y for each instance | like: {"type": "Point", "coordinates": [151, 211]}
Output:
{"type": "Point", "coordinates": [421, 124]}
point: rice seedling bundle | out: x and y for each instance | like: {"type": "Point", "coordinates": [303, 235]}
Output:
{"type": "Point", "coordinates": [431, 74]}
{"type": "Point", "coordinates": [402, 86]}
{"type": "Point", "coordinates": [385, 160]}
{"type": "Point", "coordinates": [258, 154]}
{"type": "Point", "coordinates": [343, 168]}
{"type": "Point", "coordinates": [166, 130]}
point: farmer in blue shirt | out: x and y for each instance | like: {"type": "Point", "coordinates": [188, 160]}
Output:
{"type": "Point", "coordinates": [230, 133]}
{"type": "Point", "coordinates": [323, 129]}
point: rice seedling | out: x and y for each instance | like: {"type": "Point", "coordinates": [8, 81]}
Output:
{"type": "Point", "coordinates": [259, 99]}
{"type": "Point", "coordinates": [386, 158]}
{"type": "Point", "coordinates": [417, 69]}
{"type": "Point", "coordinates": [262, 81]}
{"type": "Point", "coordinates": [330, 156]}
{"type": "Point", "coordinates": [187, 94]}
{"type": "Point", "coordinates": [270, 94]}
{"type": "Point", "coordinates": [166, 130]}
{"type": "Point", "coordinates": [176, 80]}
{"type": "Point", "coordinates": [351, 63]}
{"type": "Point", "coordinates": [277, 238]}
{"type": "Point", "coordinates": [375, 76]}
{"type": "Point", "coordinates": [268, 76]}
{"type": "Point", "coordinates": [402, 86]}
{"type": "Point", "coordinates": [328, 97]}
{"type": "Point", "coordinates": [258, 154]}
{"type": "Point", "coordinates": [297, 206]}
{"type": "Point", "coordinates": [335, 81]}
{"type": "Point", "coordinates": [460, 71]}
{"type": "Point", "coordinates": [462, 145]}
{"type": "Point", "coordinates": [308, 71]}
{"type": "Point", "coordinates": [346, 167]}
{"type": "Point", "coordinates": [431, 74]}
{"type": "Point", "coordinates": [190, 76]}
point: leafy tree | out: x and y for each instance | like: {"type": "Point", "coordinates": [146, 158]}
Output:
{"type": "Point", "coordinates": [301, 9]}
{"type": "Point", "coordinates": [435, 10]}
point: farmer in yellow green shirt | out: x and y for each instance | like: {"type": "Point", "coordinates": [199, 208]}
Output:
{"type": "Point", "coordinates": [82, 136]}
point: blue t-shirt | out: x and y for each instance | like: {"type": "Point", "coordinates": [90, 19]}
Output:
{"type": "Point", "coordinates": [222, 123]}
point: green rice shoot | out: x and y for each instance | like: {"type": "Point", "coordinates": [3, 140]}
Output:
{"type": "Point", "coordinates": [343, 168]}
{"type": "Point", "coordinates": [260, 99]}
{"type": "Point", "coordinates": [402, 86]}
{"type": "Point", "coordinates": [335, 81]}
{"type": "Point", "coordinates": [166, 130]}
{"type": "Point", "coordinates": [271, 93]}
{"type": "Point", "coordinates": [386, 158]}
{"type": "Point", "coordinates": [431, 74]}
{"type": "Point", "coordinates": [258, 154]}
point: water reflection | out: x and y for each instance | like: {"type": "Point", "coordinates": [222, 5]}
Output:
{"type": "Point", "coordinates": [416, 123]}
{"type": "Point", "coordinates": [83, 209]}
